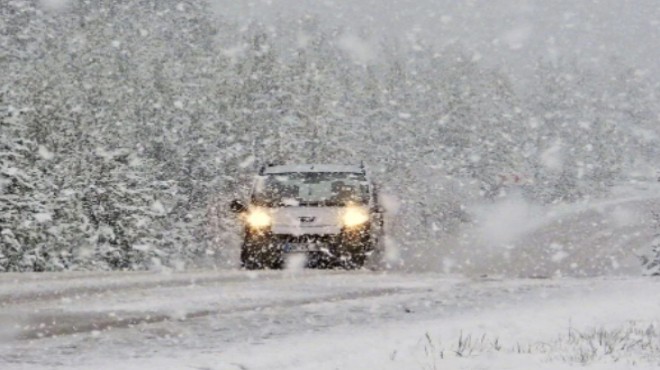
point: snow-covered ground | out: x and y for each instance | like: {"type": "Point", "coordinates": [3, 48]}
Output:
{"type": "Point", "coordinates": [325, 320]}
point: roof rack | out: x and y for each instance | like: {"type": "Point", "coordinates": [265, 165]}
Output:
{"type": "Point", "coordinates": [359, 168]}
{"type": "Point", "coordinates": [267, 165]}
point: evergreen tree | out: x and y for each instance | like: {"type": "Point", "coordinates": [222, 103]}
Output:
{"type": "Point", "coordinates": [25, 212]}
{"type": "Point", "coordinates": [652, 263]}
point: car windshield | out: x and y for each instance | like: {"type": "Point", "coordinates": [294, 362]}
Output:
{"type": "Point", "coordinates": [311, 189]}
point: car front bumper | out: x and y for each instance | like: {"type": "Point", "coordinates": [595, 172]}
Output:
{"type": "Point", "coordinates": [345, 240]}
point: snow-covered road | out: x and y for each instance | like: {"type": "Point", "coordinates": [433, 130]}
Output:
{"type": "Point", "coordinates": [308, 319]}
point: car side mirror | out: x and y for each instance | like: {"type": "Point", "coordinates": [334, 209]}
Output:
{"type": "Point", "coordinates": [236, 206]}
{"type": "Point", "coordinates": [379, 215]}
{"type": "Point", "coordinates": [379, 209]}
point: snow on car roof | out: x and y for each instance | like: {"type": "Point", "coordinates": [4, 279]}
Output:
{"type": "Point", "coordinates": [312, 168]}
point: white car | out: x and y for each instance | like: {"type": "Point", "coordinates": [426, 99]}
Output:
{"type": "Point", "coordinates": [330, 213]}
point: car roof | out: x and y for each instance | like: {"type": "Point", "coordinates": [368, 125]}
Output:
{"type": "Point", "coordinates": [289, 168]}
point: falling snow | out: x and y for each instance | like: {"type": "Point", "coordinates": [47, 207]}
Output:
{"type": "Point", "coordinates": [509, 140]}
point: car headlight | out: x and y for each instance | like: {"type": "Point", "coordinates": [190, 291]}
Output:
{"type": "Point", "coordinates": [258, 218]}
{"type": "Point", "coordinates": [355, 216]}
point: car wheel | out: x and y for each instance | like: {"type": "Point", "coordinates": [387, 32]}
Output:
{"type": "Point", "coordinates": [249, 261]}
{"type": "Point", "coordinates": [259, 256]}
{"type": "Point", "coordinates": [352, 261]}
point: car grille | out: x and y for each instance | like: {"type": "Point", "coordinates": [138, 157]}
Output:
{"type": "Point", "coordinates": [307, 239]}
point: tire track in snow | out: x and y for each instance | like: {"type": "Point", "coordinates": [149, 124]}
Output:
{"type": "Point", "coordinates": [43, 325]}
{"type": "Point", "coordinates": [18, 292]}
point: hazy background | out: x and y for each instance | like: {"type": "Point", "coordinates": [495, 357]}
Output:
{"type": "Point", "coordinates": [512, 35]}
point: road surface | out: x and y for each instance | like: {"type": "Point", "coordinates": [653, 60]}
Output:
{"type": "Point", "coordinates": [300, 319]}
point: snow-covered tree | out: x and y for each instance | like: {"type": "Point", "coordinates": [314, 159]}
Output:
{"type": "Point", "coordinates": [25, 212]}
{"type": "Point", "coordinates": [652, 263]}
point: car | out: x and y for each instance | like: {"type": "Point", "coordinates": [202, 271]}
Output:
{"type": "Point", "coordinates": [327, 212]}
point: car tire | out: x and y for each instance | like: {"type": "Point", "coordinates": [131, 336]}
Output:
{"type": "Point", "coordinates": [249, 261]}
{"type": "Point", "coordinates": [351, 261]}
{"type": "Point", "coordinates": [260, 256]}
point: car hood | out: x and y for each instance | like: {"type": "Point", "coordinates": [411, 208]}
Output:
{"type": "Point", "coordinates": [307, 220]}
